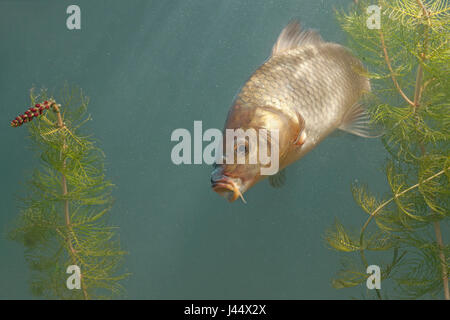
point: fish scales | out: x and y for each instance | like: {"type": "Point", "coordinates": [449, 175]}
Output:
{"type": "Point", "coordinates": [310, 80]}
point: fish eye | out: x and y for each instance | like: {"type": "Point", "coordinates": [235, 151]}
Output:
{"type": "Point", "coordinates": [242, 149]}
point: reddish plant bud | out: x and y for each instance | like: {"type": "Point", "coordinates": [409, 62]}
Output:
{"type": "Point", "coordinates": [32, 112]}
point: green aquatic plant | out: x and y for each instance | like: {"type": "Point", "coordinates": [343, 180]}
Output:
{"type": "Point", "coordinates": [408, 62]}
{"type": "Point", "coordinates": [63, 216]}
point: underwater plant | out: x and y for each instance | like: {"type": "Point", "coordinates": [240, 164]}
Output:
{"type": "Point", "coordinates": [63, 216]}
{"type": "Point", "coordinates": [408, 62]}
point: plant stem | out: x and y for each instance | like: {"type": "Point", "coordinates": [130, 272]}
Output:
{"type": "Point", "coordinates": [437, 231]}
{"type": "Point", "coordinates": [388, 63]}
{"type": "Point", "coordinates": [73, 252]}
{"type": "Point", "coordinates": [384, 204]}
{"type": "Point", "coordinates": [418, 89]}
{"type": "Point", "coordinates": [422, 56]}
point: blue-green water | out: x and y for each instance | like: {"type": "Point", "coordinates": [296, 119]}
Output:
{"type": "Point", "coordinates": [150, 67]}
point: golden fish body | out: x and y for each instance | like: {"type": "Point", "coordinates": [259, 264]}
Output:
{"type": "Point", "coordinates": [305, 90]}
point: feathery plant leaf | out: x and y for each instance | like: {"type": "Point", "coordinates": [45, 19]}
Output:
{"type": "Point", "coordinates": [408, 64]}
{"type": "Point", "coordinates": [64, 219]}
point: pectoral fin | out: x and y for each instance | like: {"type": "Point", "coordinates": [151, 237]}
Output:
{"type": "Point", "coordinates": [301, 137]}
{"type": "Point", "coordinates": [278, 179]}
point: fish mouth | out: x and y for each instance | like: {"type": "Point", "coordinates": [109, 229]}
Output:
{"type": "Point", "coordinates": [227, 188]}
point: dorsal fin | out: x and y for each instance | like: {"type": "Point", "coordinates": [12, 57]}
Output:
{"type": "Point", "coordinates": [293, 37]}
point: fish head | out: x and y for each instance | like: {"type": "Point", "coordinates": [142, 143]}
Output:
{"type": "Point", "coordinates": [255, 141]}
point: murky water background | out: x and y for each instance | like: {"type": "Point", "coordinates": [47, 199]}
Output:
{"type": "Point", "coordinates": [150, 67]}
